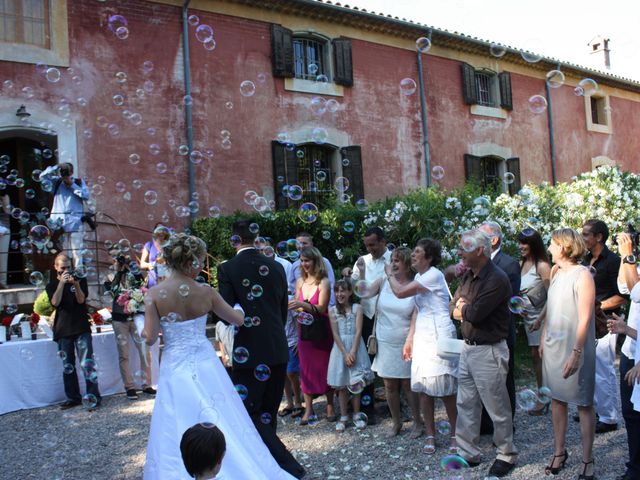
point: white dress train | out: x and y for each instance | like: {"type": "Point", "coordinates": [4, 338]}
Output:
{"type": "Point", "coordinates": [194, 388]}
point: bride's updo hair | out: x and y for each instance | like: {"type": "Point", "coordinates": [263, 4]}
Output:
{"type": "Point", "coordinates": [182, 251]}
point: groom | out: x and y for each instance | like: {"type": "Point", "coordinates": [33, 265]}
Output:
{"type": "Point", "coordinates": [260, 352]}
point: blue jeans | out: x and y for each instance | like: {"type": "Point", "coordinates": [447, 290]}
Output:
{"type": "Point", "coordinates": [84, 348]}
{"type": "Point", "coordinates": [631, 418]}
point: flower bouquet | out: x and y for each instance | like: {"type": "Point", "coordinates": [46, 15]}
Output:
{"type": "Point", "coordinates": [34, 319]}
{"type": "Point", "coordinates": [132, 300]}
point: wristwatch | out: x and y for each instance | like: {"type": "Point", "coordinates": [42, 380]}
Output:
{"type": "Point", "coordinates": [630, 259]}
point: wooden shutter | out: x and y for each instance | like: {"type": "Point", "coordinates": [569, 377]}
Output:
{"type": "Point", "coordinates": [473, 169]}
{"type": "Point", "coordinates": [281, 51]}
{"type": "Point", "coordinates": [285, 165]}
{"type": "Point", "coordinates": [504, 80]}
{"type": "Point", "coordinates": [342, 61]}
{"type": "Point", "coordinates": [469, 91]}
{"type": "Point", "coordinates": [353, 171]}
{"type": "Point", "coordinates": [513, 166]}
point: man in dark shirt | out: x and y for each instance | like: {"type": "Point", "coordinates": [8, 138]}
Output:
{"type": "Point", "coordinates": [604, 266]}
{"type": "Point", "coordinates": [481, 304]}
{"type": "Point", "coordinates": [512, 268]}
{"type": "Point", "coordinates": [72, 331]}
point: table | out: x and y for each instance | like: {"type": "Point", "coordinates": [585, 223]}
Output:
{"type": "Point", "coordinates": [31, 372]}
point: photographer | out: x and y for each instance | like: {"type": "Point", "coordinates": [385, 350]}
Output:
{"type": "Point", "coordinates": [628, 279]}
{"type": "Point", "coordinates": [125, 329]}
{"type": "Point", "coordinates": [69, 193]}
{"type": "Point", "coordinates": [72, 331]}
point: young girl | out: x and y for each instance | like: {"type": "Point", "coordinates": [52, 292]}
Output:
{"type": "Point", "coordinates": [349, 365]}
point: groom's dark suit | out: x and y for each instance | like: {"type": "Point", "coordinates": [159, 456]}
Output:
{"type": "Point", "coordinates": [265, 343]}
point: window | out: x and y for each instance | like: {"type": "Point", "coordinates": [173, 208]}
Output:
{"type": "Point", "coordinates": [310, 58]}
{"type": "Point", "coordinates": [486, 88]}
{"type": "Point", "coordinates": [598, 113]}
{"type": "Point", "coordinates": [315, 168]}
{"type": "Point", "coordinates": [294, 56]}
{"type": "Point", "coordinates": [25, 22]}
{"type": "Point", "coordinates": [491, 173]}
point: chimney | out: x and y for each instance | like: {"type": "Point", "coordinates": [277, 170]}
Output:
{"type": "Point", "coordinates": [599, 49]}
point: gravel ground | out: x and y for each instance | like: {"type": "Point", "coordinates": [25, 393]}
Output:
{"type": "Point", "coordinates": [110, 444]}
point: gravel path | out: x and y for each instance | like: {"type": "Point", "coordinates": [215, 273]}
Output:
{"type": "Point", "coordinates": [110, 444]}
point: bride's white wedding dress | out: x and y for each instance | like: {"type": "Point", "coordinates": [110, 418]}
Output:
{"type": "Point", "coordinates": [195, 388]}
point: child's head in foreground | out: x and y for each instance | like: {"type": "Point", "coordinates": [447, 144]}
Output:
{"type": "Point", "coordinates": [203, 447]}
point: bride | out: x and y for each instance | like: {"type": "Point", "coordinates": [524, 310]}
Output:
{"type": "Point", "coordinates": [194, 386]}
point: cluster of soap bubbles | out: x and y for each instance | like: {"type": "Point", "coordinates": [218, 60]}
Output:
{"type": "Point", "coordinates": [527, 398]}
{"type": "Point", "coordinates": [203, 33]}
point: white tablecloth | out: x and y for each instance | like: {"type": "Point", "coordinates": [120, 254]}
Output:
{"type": "Point", "coordinates": [31, 372]}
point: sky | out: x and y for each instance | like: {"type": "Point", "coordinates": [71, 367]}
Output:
{"type": "Point", "coordinates": [559, 29]}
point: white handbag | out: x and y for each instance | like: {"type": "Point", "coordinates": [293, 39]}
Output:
{"type": "Point", "coordinates": [448, 348]}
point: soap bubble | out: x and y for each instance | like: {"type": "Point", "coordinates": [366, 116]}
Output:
{"type": "Point", "coordinates": [362, 205]}
{"type": "Point", "coordinates": [262, 372]}
{"type": "Point", "coordinates": [263, 270]}
{"type": "Point", "coordinates": [321, 175]}
{"type": "Point", "coordinates": [586, 87]}
{"type": "Point", "coordinates": [214, 211]}
{"type": "Point", "coordinates": [497, 50]}
{"type": "Point", "coordinates": [204, 33]}
{"type": "Point", "coordinates": [312, 69]}
{"type": "Point", "coordinates": [304, 318]}
{"type": "Point", "coordinates": [423, 44]}
{"type": "Point", "coordinates": [183, 290]}
{"type": "Point", "coordinates": [193, 20]}
{"type": "Point", "coordinates": [341, 184]}
{"type": "Point", "coordinates": [348, 226]}
{"type": "Point", "coordinates": [366, 400]}
{"type": "Point", "coordinates": [443, 427]}
{"type": "Point", "coordinates": [362, 288]}
{"type": "Point", "coordinates": [122, 33]}
{"type": "Point", "coordinates": [481, 206]}
{"type": "Point", "coordinates": [52, 75]}
{"type": "Point", "coordinates": [448, 226]}
{"type": "Point", "coordinates": [161, 167]}
{"type": "Point", "coordinates": [451, 463]}
{"type": "Point", "coordinates": [154, 149]}
{"type": "Point", "coordinates": [356, 388]}
{"type": "Point", "coordinates": [509, 178]}
{"type": "Point", "coordinates": [537, 103]}
{"type": "Point", "coordinates": [39, 236]}
{"type": "Point", "coordinates": [308, 212]}
{"type": "Point", "coordinates": [544, 395]}
{"type": "Point", "coordinates": [407, 86]}
{"type": "Point", "coordinates": [247, 88]}
{"type": "Point", "coordinates": [240, 355]}
{"type": "Point", "coordinates": [437, 172]}
{"type": "Point", "coordinates": [295, 192]}
{"type": "Point", "coordinates": [516, 305]}
{"type": "Point", "coordinates": [555, 78]}
{"type": "Point", "coordinates": [256, 291]}
{"type": "Point", "coordinates": [134, 159]}
{"type": "Point", "coordinates": [150, 197]}
{"type": "Point", "coordinates": [26, 354]}
{"type": "Point", "coordinates": [530, 57]}
{"type": "Point", "coordinates": [526, 399]}
{"type": "Point", "coordinates": [68, 368]}
{"type": "Point", "coordinates": [319, 135]}
{"type": "Point", "coordinates": [265, 418]}
{"type": "Point", "coordinates": [318, 105]}
{"type": "Point", "coordinates": [89, 401]}
{"type": "Point", "coordinates": [243, 391]}
{"type": "Point", "coordinates": [36, 278]}
{"type": "Point", "coordinates": [332, 105]}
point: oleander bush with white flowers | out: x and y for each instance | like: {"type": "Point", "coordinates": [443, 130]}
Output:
{"type": "Point", "coordinates": [606, 193]}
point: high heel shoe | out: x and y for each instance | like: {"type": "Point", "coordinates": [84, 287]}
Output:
{"type": "Point", "coordinates": [550, 469]}
{"type": "Point", "coordinates": [583, 475]}
{"type": "Point", "coordinates": [538, 412]}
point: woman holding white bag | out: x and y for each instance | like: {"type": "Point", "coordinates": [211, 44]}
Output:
{"type": "Point", "coordinates": [431, 375]}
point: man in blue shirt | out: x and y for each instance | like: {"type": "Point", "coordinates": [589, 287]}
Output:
{"type": "Point", "coordinates": [67, 210]}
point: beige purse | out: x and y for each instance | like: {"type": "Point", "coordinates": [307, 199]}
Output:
{"type": "Point", "coordinates": [372, 341]}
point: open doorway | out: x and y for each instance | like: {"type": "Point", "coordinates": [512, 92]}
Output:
{"type": "Point", "coordinates": [27, 151]}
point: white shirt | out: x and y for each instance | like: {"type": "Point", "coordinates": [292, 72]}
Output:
{"type": "Point", "coordinates": [629, 345]}
{"type": "Point", "coordinates": [494, 253]}
{"type": "Point", "coordinates": [373, 269]}
{"type": "Point", "coordinates": [286, 264]}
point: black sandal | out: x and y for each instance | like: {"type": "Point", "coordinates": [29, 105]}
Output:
{"type": "Point", "coordinates": [550, 469]}
{"type": "Point", "coordinates": [583, 475]}
{"type": "Point", "coordinates": [285, 411]}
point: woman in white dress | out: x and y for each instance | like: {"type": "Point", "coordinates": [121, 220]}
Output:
{"type": "Point", "coordinates": [431, 375]}
{"type": "Point", "coordinates": [193, 386]}
{"type": "Point", "coordinates": [393, 319]}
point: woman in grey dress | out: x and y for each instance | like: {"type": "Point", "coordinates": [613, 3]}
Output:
{"type": "Point", "coordinates": [568, 347]}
